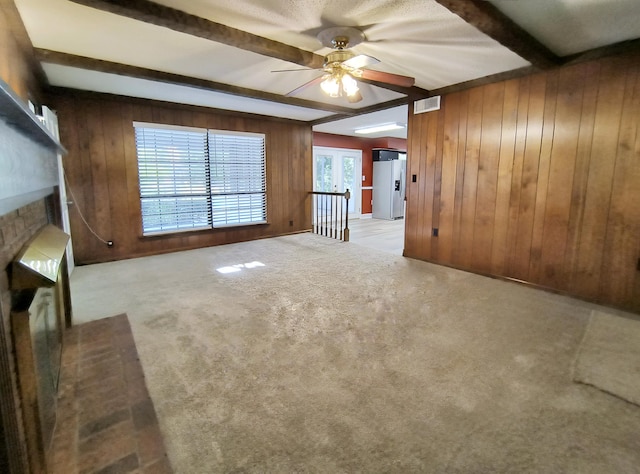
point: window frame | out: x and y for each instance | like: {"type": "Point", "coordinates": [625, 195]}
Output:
{"type": "Point", "coordinates": [245, 195]}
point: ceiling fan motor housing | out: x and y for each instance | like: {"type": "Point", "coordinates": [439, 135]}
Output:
{"type": "Point", "coordinates": [335, 58]}
{"type": "Point", "coordinates": [340, 42]}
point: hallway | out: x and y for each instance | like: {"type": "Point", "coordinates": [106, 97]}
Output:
{"type": "Point", "coordinates": [378, 234]}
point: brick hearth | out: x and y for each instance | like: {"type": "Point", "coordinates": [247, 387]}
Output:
{"type": "Point", "coordinates": [106, 422]}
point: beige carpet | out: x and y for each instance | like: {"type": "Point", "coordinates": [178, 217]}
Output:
{"type": "Point", "coordinates": [609, 356]}
{"type": "Point", "coordinates": [331, 357]}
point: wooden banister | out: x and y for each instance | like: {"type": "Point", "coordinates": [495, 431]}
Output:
{"type": "Point", "coordinates": [331, 214]}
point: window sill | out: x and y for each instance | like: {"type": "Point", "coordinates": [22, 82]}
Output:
{"type": "Point", "coordinates": [180, 233]}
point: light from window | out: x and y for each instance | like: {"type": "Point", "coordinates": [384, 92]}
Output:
{"type": "Point", "coordinates": [197, 179]}
{"type": "Point", "coordinates": [238, 178]}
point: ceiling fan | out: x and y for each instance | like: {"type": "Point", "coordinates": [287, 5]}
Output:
{"type": "Point", "coordinates": [342, 67]}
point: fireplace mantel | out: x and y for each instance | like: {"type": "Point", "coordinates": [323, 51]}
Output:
{"type": "Point", "coordinates": [28, 154]}
{"type": "Point", "coordinates": [17, 115]}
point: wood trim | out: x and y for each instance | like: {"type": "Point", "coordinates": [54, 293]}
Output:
{"type": "Point", "coordinates": [495, 24]}
{"type": "Point", "coordinates": [28, 385]}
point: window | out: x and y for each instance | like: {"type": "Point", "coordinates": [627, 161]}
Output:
{"type": "Point", "coordinates": [194, 178]}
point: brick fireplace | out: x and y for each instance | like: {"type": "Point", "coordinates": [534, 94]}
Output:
{"type": "Point", "coordinates": [16, 229]}
{"type": "Point", "coordinates": [29, 201]}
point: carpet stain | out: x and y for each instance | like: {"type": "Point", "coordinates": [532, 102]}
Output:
{"type": "Point", "coordinates": [164, 321]}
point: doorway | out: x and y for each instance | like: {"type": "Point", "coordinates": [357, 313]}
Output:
{"type": "Point", "coordinates": [337, 169]}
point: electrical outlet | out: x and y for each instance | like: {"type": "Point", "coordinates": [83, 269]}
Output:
{"type": "Point", "coordinates": [414, 178]}
{"type": "Point", "coordinates": [435, 232]}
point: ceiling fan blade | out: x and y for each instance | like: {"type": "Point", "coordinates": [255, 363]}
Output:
{"type": "Point", "coordinates": [387, 77]}
{"type": "Point", "coordinates": [294, 70]}
{"type": "Point", "coordinates": [357, 97]}
{"type": "Point", "coordinates": [297, 90]}
{"type": "Point", "coordinates": [360, 61]}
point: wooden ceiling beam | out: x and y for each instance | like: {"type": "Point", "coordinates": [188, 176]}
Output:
{"type": "Point", "coordinates": [413, 91]}
{"type": "Point", "coordinates": [492, 22]}
{"type": "Point", "coordinates": [91, 64]}
{"type": "Point", "coordinates": [177, 20]}
{"type": "Point", "coordinates": [483, 81]}
{"type": "Point", "coordinates": [623, 47]}
{"type": "Point", "coordinates": [92, 95]}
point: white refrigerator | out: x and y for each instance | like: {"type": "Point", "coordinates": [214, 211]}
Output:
{"type": "Point", "coordinates": [388, 189]}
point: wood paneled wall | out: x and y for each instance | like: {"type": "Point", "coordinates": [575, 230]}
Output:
{"type": "Point", "coordinates": [536, 179]}
{"type": "Point", "coordinates": [17, 62]}
{"type": "Point", "coordinates": [102, 173]}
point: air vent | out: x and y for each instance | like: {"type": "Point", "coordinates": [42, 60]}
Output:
{"type": "Point", "coordinates": [426, 105]}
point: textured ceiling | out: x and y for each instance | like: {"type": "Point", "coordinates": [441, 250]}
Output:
{"type": "Point", "coordinates": [418, 38]}
{"type": "Point", "coordinates": [573, 26]}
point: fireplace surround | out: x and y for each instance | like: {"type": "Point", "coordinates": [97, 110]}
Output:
{"type": "Point", "coordinates": [38, 315]}
{"type": "Point", "coordinates": [29, 201]}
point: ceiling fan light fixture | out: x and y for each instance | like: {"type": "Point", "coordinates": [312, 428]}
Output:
{"type": "Point", "coordinates": [342, 67]}
{"type": "Point", "coordinates": [339, 84]}
{"type": "Point", "coordinates": [349, 85]}
{"type": "Point", "coordinates": [330, 85]}
{"type": "Point", "coordinates": [380, 128]}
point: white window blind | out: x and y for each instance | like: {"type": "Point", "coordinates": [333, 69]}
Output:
{"type": "Point", "coordinates": [238, 178]}
{"type": "Point", "coordinates": [198, 179]}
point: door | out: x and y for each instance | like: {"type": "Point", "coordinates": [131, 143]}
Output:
{"type": "Point", "coordinates": [336, 170]}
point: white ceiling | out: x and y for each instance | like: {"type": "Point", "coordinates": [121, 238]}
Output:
{"type": "Point", "coordinates": [418, 38]}
{"type": "Point", "coordinates": [349, 125]}
{"type": "Point", "coordinates": [573, 26]}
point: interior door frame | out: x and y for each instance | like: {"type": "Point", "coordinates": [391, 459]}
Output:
{"type": "Point", "coordinates": [356, 193]}
{"type": "Point", "coordinates": [51, 123]}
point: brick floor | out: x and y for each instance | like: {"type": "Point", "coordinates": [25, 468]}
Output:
{"type": "Point", "coordinates": [106, 422]}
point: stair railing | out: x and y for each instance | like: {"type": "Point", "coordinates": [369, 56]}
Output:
{"type": "Point", "coordinates": [331, 214]}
